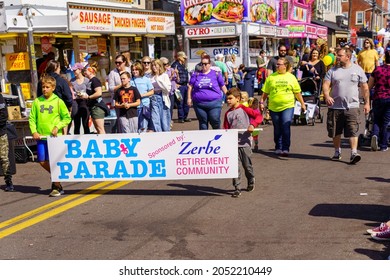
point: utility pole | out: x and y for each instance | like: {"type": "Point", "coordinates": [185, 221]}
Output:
{"type": "Point", "coordinates": [31, 50]}
{"type": "Point", "coordinates": [349, 19]}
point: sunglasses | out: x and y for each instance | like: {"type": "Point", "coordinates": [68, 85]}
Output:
{"type": "Point", "coordinates": [279, 64]}
{"type": "Point", "coordinates": [204, 64]}
{"type": "Point", "coordinates": [118, 62]}
{"type": "Point", "coordinates": [146, 62]}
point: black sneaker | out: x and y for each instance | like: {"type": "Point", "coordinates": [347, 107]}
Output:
{"type": "Point", "coordinates": [187, 120]}
{"type": "Point", "coordinates": [355, 158]}
{"type": "Point", "coordinates": [236, 194]}
{"type": "Point", "coordinates": [181, 121]}
{"type": "Point", "coordinates": [9, 187]}
{"type": "Point", "coordinates": [251, 186]}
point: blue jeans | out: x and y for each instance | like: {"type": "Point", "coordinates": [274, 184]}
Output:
{"type": "Point", "coordinates": [209, 112]}
{"type": "Point", "coordinates": [182, 106]}
{"type": "Point", "coordinates": [381, 109]}
{"type": "Point", "coordinates": [282, 128]}
{"type": "Point", "coordinates": [156, 108]}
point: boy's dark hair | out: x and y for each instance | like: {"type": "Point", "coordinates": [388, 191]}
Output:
{"type": "Point", "coordinates": [235, 92]}
{"type": "Point", "coordinates": [125, 73]}
{"type": "Point", "coordinates": [46, 79]}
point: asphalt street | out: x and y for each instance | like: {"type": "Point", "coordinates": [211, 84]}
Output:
{"type": "Point", "coordinates": [304, 207]}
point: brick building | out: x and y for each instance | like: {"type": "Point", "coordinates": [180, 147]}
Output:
{"type": "Point", "coordinates": [367, 17]}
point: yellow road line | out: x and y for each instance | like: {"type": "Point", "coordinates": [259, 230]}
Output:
{"type": "Point", "coordinates": [60, 209]}
{"type": "Point", "coordinates": [52, 204]}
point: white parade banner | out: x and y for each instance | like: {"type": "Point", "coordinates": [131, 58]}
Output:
{"type": "Point", "coordinates": [206, 154]}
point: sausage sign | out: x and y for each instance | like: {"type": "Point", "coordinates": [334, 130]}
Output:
{"type": "Point", "coordinates": [148, 156]}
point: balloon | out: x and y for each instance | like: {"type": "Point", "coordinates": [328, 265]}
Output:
{"type": "Point", "coordinates": [327, 60]}
{"type": "Point", "coordinates": [332, 56]}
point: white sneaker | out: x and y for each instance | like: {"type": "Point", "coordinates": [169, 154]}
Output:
{"type": "Point", "coordinates": [374, 143]}
{"type": "Point", "coordinates": [278, 152]}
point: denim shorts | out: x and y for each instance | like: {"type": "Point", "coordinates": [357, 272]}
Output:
{"type": "Point", "coordinates": [343, 120]}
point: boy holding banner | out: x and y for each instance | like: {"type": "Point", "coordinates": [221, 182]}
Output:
{"type": "Point", "coordinates": [48, 116]}
{"type": "Point", "coordinates": [245, 120]}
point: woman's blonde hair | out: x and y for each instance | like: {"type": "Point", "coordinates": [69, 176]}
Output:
{"type": "Point", "coordinates": [161, 69]}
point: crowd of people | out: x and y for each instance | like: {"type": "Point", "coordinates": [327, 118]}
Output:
{"type": "Point", "coordinates": [146, 92]}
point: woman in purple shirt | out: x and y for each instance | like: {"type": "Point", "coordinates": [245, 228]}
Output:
{"type": "Point", "coordinates": [205, 94]}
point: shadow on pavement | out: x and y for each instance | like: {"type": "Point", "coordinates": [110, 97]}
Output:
{"type": "Point", "coordinates": [371, 212]}
{"type": "Point", "coordinates": [271, 154]}
{"type": "Point", "coordinates": [378, 179]}
{"type": "Point", "coordinates": [185, 190]}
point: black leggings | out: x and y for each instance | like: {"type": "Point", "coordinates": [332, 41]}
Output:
{"type": "Point", "coordinates": [81, 117]}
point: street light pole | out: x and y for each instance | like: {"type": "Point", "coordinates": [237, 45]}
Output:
{"type": "Point", "coordinates": [31, 50]}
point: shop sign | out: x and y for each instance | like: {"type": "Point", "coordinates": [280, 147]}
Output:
{"type": "Point", "coordinates": [17, 61]}
{"type": "Point", "coordinates": [119, 20]}
{"type": "Point", "coordinates": [322, 32]}
{"type": "Point", "coordinates": [92, 45]}
{"type": "Point", "coordinates": [296, 31]}
{"type": "Point", "coordinates": [281, 32]}
{"type": "Point", "coordinates": [123, 44]}
{"type": "Point", "coordinates": [102, 45]}
{"type": "Point", "coordinates": [83, 45]}
{"type": "Point", "coordinates": [267, 30]}
{"type": "Point", "coordinates": [195, 53]}
{"type": "Point", "coordinates": [210, 31]}
{"type": "Point", "coordinates": [26, 90]}
{"type": "Point", "coordinates": [202, 12]}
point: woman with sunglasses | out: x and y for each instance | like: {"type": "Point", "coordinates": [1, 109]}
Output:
{"type": "Point", "coordinates": [282, 89]}
{"type": "Point", "coordinates": [205, 94]}
{"type": "Point", "coordinates": [145, 88]}
{"type": "Point", "coordinates": [114, 79]}
{"type": "Point", "coordinates": [160, 103]}
{"type": "Point", "coordinates": [147, 64]}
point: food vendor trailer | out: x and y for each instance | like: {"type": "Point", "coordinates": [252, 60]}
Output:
{"type": "Point", "coordinates": [240, 27]}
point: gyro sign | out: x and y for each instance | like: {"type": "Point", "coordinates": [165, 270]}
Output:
{"type": "Point", "coordinates": [210, 31]}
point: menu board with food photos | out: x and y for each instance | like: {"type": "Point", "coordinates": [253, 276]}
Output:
{"type": "Point", "coordinates": [195, 12]}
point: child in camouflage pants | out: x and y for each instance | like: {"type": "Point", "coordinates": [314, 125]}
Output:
{"type": "Point", "coordinates": [4, 146]}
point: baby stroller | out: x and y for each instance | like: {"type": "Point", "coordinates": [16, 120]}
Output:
{"type": "Point", "coordinates": [311, 96]}
{"type": "Point", "coordinates": [364, 139]}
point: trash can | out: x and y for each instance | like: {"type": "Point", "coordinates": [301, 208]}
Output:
{"type": "Point", "coordinates": [11, 157]}
{"type": "Point", "coordinates": [249, 80]}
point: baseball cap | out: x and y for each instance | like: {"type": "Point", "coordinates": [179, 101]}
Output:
{"type": "Point", "coordinates": [181, 54]}
{"type": "Point", "coordinates": [77, 66]}
{"type": "Point", "coordinates": [376, 42]}
{"type": "Point", "coordinates": [218, 55]}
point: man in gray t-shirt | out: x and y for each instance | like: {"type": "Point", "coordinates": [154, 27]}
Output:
{"type": "Point", "coordinates": [341, 94]}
